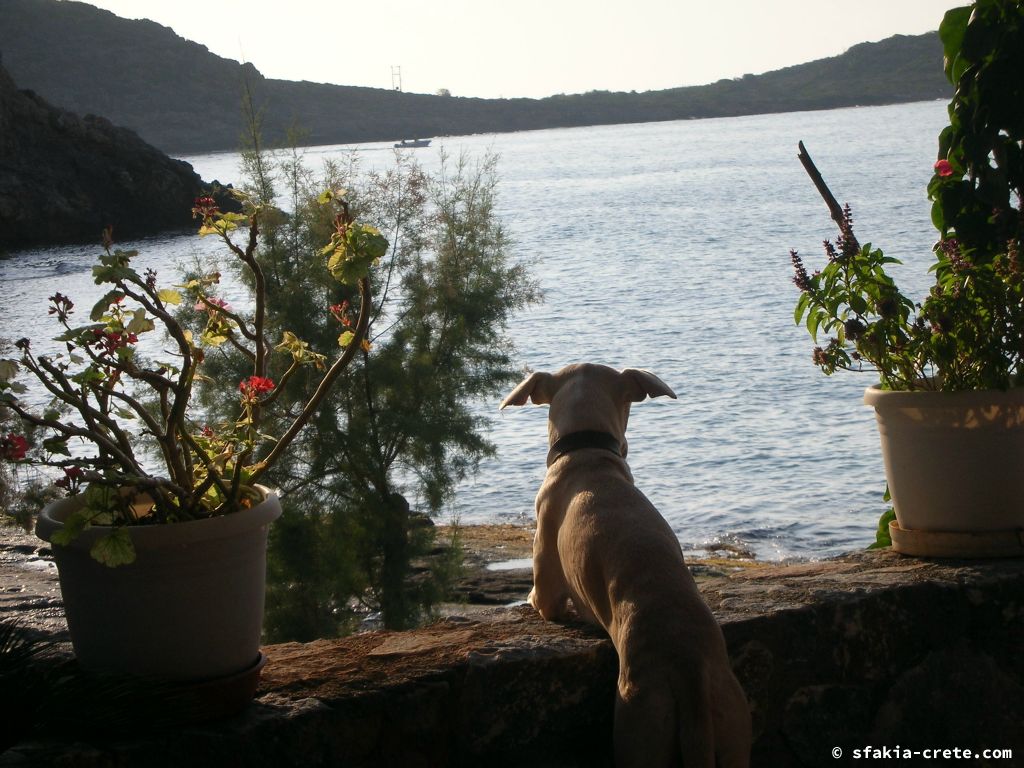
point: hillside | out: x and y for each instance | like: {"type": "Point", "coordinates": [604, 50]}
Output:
{"type": "Point", "coordinates": [182, 98]}
{"type": "Point", "coordinates": [63, 178]}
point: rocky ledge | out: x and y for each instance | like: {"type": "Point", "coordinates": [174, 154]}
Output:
{"type": "Point", "coordinates": [866, 649]}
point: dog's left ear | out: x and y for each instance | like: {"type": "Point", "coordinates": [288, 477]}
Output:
{"type": "Point", "coordinates": [641, 384]}
{"type": "Point", "coordinates": [537, 387]}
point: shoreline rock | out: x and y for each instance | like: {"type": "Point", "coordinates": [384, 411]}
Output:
{"type": "Point", "coordinates": [64, 178]}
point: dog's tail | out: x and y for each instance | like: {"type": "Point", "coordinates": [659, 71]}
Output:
{"type": "Point", "coordinates": [697, 727]}
{"type": "Point", "coordinates": [715, 726]}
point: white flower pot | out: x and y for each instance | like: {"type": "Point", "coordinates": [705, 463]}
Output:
{"type": "Point", "coordinates": [954, 460]}
{"type": "Point", "coordinates": [189, 608]}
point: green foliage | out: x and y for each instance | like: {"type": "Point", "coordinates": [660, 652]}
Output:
{"type": "Point", "coordinates": [101, 385]}
{"type": "Point", "coordinates": [882, 537]}
{"type": "Point", "coordinates": [353, 250]}
{"type": "Point", "coordinates": [399, 431]}
{"type": "Point", "coordinates": [968, 333]}
{"type": "Point", "coordinates": [977, 199]}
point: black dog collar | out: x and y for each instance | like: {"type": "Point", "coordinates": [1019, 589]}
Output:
{"type": "Point", "coordinates": [586, 438]}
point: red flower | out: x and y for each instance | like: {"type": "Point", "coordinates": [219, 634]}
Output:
{"type": "Point", "coordinates": [254, 386]}
{"type": "Point", "coordinates": [204, 207]}
{"type": "Point", "coordinates": [13, 447]}
{"type": "Point", "coordinates": [72, 478]}
{"type": "Point", "coordinates": [61, 306]}
{"type": "Point", "coordinates": [944, 168]}
{"type": "Point", "coordinates": [108, 342]}
{"type": "Point", "coordinates": [340, 312]}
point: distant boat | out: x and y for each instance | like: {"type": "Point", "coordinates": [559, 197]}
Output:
{"type": "Point", "coordinates": [414, 144]}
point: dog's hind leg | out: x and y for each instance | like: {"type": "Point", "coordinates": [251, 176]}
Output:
{"type": "Point", "coordinates": [646, 731]}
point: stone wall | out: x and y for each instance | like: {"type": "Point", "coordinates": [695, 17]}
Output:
{"type": "Point", "coordinates": [866, 649]}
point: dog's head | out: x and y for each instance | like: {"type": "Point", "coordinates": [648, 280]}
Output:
{"type": "Point", "coordinates": [588, 397]}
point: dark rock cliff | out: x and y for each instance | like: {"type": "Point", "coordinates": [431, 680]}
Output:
{"type": "Point", "coordinates": [63, 178]}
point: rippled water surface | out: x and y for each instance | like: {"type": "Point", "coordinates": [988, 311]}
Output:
{"type": "Point", "coordinates": [665, 246]}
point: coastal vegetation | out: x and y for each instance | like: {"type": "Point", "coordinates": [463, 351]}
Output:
{"type": "Point", "coordinates": [141, 75]}
{"type": "Point", "coordinates": [398, 433]}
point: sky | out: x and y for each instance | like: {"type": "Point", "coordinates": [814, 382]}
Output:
{"type": "Point", "coordinates": [532, 48]}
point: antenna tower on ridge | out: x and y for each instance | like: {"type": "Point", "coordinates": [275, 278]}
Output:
{"type": "Point", "coordinates": [396, 78]}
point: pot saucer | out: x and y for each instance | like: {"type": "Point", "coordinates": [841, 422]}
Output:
{"type": "Point", "coordinates": [961, 544]}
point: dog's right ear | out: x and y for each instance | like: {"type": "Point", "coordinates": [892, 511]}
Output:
{"type": "Point", "coordinates": [536, 387]}
{"type": "Point", "coordinates": [642, 384]}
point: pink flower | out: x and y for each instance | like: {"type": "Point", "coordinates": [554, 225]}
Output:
{"type": "Point", "coordinates": [211, 304]}
{"type": "Point", "coordinates": [944, 168]}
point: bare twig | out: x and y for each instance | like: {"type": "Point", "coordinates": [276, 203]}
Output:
{"type": "Point", "coordinates": [834, 208]}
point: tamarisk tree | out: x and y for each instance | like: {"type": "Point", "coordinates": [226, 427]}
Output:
{"type": "Point", "coordinates": [400, 431]}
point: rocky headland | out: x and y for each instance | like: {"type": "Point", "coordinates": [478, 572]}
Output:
{"type": "Point", "coordinates": [64, 178]}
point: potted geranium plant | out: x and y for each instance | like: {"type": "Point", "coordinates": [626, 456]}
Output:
{"type": "Point", "coordinates": [161, 545]}
{"type": "Point", "coordinates": [949, 404]}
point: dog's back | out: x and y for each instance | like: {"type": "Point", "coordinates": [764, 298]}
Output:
{"type": "Point", "coordinates": [603, 546]}
{"type": "Point", "coordinates": [624, 570]}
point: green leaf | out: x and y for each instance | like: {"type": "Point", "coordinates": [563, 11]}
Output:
{"type": "Point", "coordinates": [169, 296]}
{"type": "Point", "coordinates": [114, 549]}
{"type": "Point", "coordinates": [82, 334]}
{"type": "Point", "coordinates": [336, 263]}
{"type": "Point", "coordinates": [88, 376]}
{"type": "Point", "coordinates": [346, 338]}
{"type": "Point", "coordinates": [8, 369]}
{"type": "Point", "coordinates": [801, 307]}
{"type": "Point", "coordinates": [951, 32]}
{"type": "Point", "coordinates": [374, 245]}
{"type": "Point", "coordinates": [139, 322]}
{"type": "Point", "coordinates": [99, 498]}
{"type": "Point", "coordinates": [57, 445]}
{"type": "Point", "coordinates": [882, 537]}
{"type": "Point", "coordinates": [101, 306]}
{"type": "Point", "coordinates": [74, 524]}
{"type": "Point", "coordinates": [212, 338]}
{"type": "Point", "coordinates": [115, 273]}
{"type": "Point", "coordinates": [813, 321]}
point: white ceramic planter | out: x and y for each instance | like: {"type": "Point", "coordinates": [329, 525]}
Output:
{"type": "Point", "coordinates": [189, 608]}
{"type": "Point", "coordinates": [954, 460]}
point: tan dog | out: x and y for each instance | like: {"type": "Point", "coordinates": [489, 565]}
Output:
{"type": "Point", "coordinates": [601, 544]}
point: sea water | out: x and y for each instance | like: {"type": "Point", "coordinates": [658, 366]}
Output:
{"type": "Point", "coordinates": [663, 246]}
